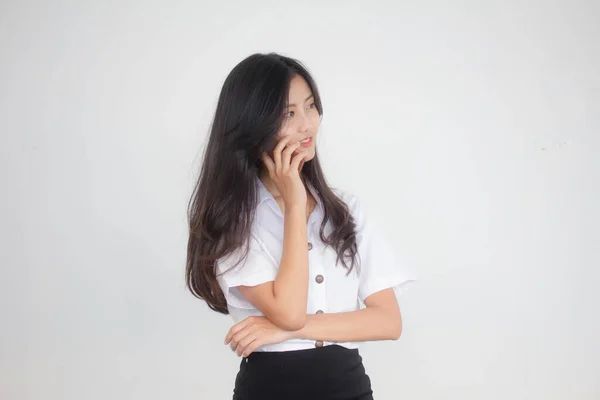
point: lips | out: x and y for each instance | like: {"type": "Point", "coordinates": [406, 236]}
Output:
{"type": "Point", "coordinates": [306, 142]}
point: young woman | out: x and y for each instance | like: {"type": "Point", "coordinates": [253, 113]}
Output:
{"type": "Point", "coordinates": [287, 256]}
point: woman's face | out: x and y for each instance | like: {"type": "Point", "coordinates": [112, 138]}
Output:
{"type": "Point", "coordinates": [301, 119]}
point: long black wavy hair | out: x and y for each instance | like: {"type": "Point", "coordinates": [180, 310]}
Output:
{"type": "Point", "coordinates": [249, 115]}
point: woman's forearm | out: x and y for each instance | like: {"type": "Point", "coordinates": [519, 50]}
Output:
{"type": "Point", "coordinates": [369, 324]}
{"type": "Point", "coordinates": [290, 288]}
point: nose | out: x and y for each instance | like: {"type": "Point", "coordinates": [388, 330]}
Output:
{"type": "Point", "coordinates": [304, 124]}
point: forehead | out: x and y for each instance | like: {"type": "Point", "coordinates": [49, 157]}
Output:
{"type": "Point", "coordinates": [299, 88]}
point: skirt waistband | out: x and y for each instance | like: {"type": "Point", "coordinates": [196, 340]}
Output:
{"type": "Point", "coordinates": [327, 372]}
{"type": "Point", "coordinates": [305, 355]}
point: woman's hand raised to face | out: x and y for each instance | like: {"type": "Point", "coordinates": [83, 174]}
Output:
{"type": "Point", "coordinates": [284, 172]}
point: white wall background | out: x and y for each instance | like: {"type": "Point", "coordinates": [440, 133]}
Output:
{"type": "Point", "coordinates": [469, 128]}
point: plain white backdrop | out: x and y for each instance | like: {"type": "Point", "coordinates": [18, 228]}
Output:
{"type": "Point", "coordinates": [469, 128]}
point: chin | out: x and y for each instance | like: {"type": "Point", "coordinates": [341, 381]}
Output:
{"type": "Point", "coordinates": [310, 156]}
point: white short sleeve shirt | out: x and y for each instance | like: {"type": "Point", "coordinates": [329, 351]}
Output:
{"type": "Point", "coordinates": [330, 290]}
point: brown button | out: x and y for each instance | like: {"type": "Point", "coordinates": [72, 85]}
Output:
{"type": "Point", "coordinates": [319, 312]}
{"type": "Point", "coordinates": [309, 246]}
{"type": "Point", "coordinates": [319, 278]}
{"type": "Point", "coordinates": [319, 343]}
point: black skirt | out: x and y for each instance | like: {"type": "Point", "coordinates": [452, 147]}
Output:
{"type": "Point", "coordinates": [323, 373]}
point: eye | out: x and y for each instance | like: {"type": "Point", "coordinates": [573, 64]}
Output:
{"type": "Point", "coordinates": [312, 105]}
{"type": "Point", "coordinates": [289, 114]}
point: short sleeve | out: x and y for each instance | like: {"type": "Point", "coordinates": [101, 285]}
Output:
{"type": "Point", "coordinates": [381, 267]}
{"type": "Point", "coordinates": [258, 267]}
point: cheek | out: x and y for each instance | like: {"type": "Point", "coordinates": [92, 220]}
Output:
{"type": "Point", "coordinates": [316, 120]}
{"type": "Point", "coordinates": [284, 132]}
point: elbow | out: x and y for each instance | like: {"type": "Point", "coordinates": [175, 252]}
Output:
{"type": "Point", "coordinates": [396, 333]}
{"type": "Point", "coordinates": [291, 322]}
{"type": "Point", "coordinates": [396, 330]}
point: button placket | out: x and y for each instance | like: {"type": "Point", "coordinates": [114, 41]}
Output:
{"type": "Point", "coordinates": [318, 288]}
{"type": "Point", "coordinates": [319, 280]}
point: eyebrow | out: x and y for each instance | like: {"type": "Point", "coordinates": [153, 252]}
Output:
{"type": "Point", "coordinates": [294, 105]}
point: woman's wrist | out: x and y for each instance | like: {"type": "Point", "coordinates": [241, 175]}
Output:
{"type": "Point", "coordinates": [295, 210]}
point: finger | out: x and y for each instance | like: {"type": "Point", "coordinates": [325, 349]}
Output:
{"type": "Point", "coordinates": [269, 163]}
{"type": "Point", "coordinates": [252, 346]}
{"type": "Point", "coordinates": [235, 329]}
{"type": "Point", "coordinates": [240, 336]}
{"type": "Point", "coordinates": [229, 336]}
{"type": "Point", "coordinates": [287, 155]}
{"type": "Point", "coordinates": [295, 164]}
{"type": "Point", "coordinates": [277, 152]}
{"type": "Point", "coordinates": [244, 343]}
